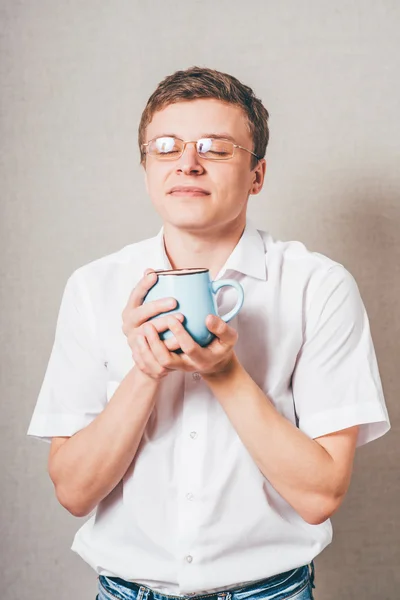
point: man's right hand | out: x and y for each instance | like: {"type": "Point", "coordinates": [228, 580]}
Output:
{"type": "Point", "coordinates": [135, 314]}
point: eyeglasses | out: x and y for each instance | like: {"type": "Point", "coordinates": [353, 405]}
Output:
{"type": "Point", "coordinates": [172, 148]}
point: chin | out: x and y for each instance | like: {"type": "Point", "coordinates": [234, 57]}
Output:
{"type": "Point", "coordinates": [194, 219]}
{"type": "Point", "coordinates": [193, 222]}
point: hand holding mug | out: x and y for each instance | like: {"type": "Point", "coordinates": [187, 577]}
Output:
{"type": "Point", "coordinates": [154, 343]}
{"type": "Point", "coordinates": [196, 299]}
{"type": "Point", "coordinates": [135, 315]}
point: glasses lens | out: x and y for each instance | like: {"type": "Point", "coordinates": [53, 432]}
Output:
{"type": "Point", "coordinates": [165, 147]}
{"type": "Point", "coordinates": [215, 149]}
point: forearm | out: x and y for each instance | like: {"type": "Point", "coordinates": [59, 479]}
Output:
{"type": "Point", "coordinates": [87, 467]}
{"type": "Point", "coordinates": [299, 468]}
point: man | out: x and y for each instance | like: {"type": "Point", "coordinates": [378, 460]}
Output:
{"type": "Point", "coordinates": [215, 470]}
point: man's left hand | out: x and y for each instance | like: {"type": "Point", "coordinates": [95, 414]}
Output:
{"type": "Point", "coordinates": [210, 360]}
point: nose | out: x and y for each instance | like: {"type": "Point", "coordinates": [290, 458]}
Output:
{"type": "Point", "coordinates": [189, 162]}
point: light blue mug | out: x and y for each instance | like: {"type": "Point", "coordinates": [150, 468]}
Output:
{"type": "Point", "coordinates": [195, 294]}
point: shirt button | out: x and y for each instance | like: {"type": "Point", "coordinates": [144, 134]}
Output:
{"type": "Point", "coordinates": [189, 558]}
{"type": "Point", "coordinates": [189, 496]}
{"type": "Point", "coordinates": [193, 434]}
{"type": "Point", "coordinates": [196, 376]}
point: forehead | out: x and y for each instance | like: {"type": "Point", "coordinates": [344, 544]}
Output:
{"type": "Point", "coordinates": [191, 119]}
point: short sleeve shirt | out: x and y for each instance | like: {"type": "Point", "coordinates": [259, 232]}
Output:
{"type": "Point", "coordinates": [194, 513]}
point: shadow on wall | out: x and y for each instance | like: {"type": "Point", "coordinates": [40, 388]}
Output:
{"type": "Point", "coordinates": [366, 240]}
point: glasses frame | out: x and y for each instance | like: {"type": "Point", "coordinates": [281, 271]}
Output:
{"type": "Point", "coordinates": [195, 142]}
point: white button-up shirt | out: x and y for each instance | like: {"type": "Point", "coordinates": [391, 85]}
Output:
{"type": "Point", "coordinates": [194, 513]}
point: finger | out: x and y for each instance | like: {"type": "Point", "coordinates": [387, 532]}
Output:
{"type": "Point", "coordinates": [185, 340]}
{"type": "Point", "coordinates": [181, 361]}
{"type": "Point", "coordinates": [137, 358]}
{"type": "Point", "coordinates": [162, 323]}
{"type": "Point", "coordinates": [140, 290]}
{"type": "Point", "coordinates": [226, 334]}
{"type": "Point", "coordinates": [152, 309]}
{"type": "Point", "coordinates": [171, 343]}
{"type": "Point", "coordinates": [151, 366]}
{"type": "Point", "coordinates": [162, 355]}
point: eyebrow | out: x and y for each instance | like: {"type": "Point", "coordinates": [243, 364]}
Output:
{"type": "Point", "coordinates": [216, 136]}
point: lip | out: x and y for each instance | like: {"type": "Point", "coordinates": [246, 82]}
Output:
{"type": "Point", "coordinates": [188, 190]}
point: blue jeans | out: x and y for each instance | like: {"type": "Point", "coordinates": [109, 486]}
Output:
{"type": "Point", "coordinates": [296, 584]}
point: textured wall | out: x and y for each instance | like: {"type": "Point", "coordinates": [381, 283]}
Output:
{"type": "Point", "coordinates": [74, 79]}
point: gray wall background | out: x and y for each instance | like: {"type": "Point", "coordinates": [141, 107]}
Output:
{"type": "Point", "coordinates": [74, 79]}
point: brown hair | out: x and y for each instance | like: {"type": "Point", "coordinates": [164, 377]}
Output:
{"type": "Point", "coordinates": [199, 82]}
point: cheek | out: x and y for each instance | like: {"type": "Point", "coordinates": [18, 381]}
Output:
{"type": "Point", "coordinates": [238, 181]}
{"type": "Point", "coordinates": [155, 178]}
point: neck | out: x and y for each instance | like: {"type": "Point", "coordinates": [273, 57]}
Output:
{"type": "Point", "coordinates": [202, 249]}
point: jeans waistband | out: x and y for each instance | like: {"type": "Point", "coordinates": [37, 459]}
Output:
{"type": "Point", "coordinates": [232, 589]}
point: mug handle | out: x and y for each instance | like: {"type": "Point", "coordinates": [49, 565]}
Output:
{"type": "Point", "coordinates": [216, 285]}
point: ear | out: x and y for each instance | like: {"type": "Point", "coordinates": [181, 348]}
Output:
{"type": "Point", "coordinates": [258, 177]}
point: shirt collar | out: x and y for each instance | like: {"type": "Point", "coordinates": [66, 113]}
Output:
{"type": "Point", "coordinates": [248, 256]}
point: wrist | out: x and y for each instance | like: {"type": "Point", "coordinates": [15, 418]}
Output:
{"type": "Point", "coordinates": [144, 380]}
{"type": "Point", "coordinates": [226, 372]}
